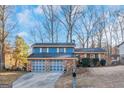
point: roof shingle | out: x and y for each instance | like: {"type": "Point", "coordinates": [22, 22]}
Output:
{"type": "Point", "coordinates": [90, 50]}
{"type": "Point", "coordinates": [50, 55]}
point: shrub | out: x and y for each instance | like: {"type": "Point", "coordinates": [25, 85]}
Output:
{"type": "Point", "coordinates": [95, 61]}
{"type": "Point", "coordinates": [103, 62]}
{"type": "Point", "coordinates": [85, 62]}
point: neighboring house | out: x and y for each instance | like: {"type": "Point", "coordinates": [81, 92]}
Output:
{"type": "Point", "coordinates": [115, 57]}
{"type": "Point", "coordinates": [0, 60]}
{"type": "Point", "coordinates": [121, 52]}
{"type": "Point", "coordinates": [9, 60]}
{"type": "Point", "coordinates": [54, 57]}
{"type": "Point", "coordinates": [91, 53]}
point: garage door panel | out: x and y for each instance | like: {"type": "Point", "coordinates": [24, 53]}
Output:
{"type": "Point", "coordinates": [38, 66]}
{"type": "Point", "coordinates": [56, 66]}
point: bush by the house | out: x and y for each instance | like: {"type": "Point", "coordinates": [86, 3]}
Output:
{"type": "Point", "coordinates": [95, 61]}
{"type": "Point", "coordinates": [89, 62]}
{"type": "Point", "coordinates": [85, 62]}
{"type": "Point", "coordinates": [102, 62]}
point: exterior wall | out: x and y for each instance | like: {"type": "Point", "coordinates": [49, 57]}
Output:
{"type": "Point", "coordinates": [121, 49]}
{"type": "Point", "coordinates": [92, 55]}
{"type": "Point", "coordinates": [67, 64]}
{"type": "Point", "coordinates": [36, 50]}
{"type": "Point", "coordinates": [54, 50]}
{"type": "Point", "coordinates": [69, 50]}
{"type": "Point", "coordinates": [122, 58]}
{"type": "Point", "coordinates": [9, 60]}
{"type": "Point", "coordinates": [121, 53]}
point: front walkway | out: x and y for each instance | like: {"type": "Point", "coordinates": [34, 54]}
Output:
{"type": "Point", "coordinates": [37, 80]}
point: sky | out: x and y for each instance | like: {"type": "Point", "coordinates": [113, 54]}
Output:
{"type": "Point", "coordinates": [26, 18]}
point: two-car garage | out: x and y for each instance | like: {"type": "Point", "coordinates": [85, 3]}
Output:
{"type": "Point", "coordinates": [46, 66]}
{"type": "Point", "coordinates": [38, 65]}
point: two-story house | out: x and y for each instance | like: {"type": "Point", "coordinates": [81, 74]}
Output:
{"type": "Point", "coordinates": [121, 52]}
{"type": "Point", "coordinates": [47, 57]}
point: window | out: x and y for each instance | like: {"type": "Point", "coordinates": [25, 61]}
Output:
{"type": "Point", "coordinates": [40, 50]}
{"type": "Point", "coordinates": [69, 50]}
{"type": "Point", "coordinates": [88, 55]}
{"type": "Point", "coordinates": [61, 50]}
{"type": "Point", "coordinates": [96, 55]}
{"type": "Point", "coordinates": [36, 50]}
{"type": "Point", "coordinates": [52, 50]}
{"type": "Point", "coordinates": [44, 50]}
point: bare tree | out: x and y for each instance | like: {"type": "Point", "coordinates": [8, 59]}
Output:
{"type": "Point", "coordinates": [80, 35]}
{"type": "Point", "coordinates": [120, 18]}
{"type": "Point", "coordinates": [51, 24]}
{"type": "Point", "coordinates": [69, 16]}
{"type": "Point", "coordinates": [89, 21]}
{"type": "Point", "coordinates": [6, 27]}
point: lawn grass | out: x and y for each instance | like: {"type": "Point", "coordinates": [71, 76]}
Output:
{"type": "Point", "coordinates": [65, 81]}
{"type": "Point", "coordinates": [9, 77]}
{"type": "Point", "coordinates": [95, 77]}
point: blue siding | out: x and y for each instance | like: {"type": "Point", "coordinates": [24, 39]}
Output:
{"type": "Point", "coordinates": [52, 50]}
{"type": "Point", "coordinates": [36, 50]}
{"type": "Point", "coordinates": [69, 50]}
{"type": "Point", "coordinates": [61, 50]}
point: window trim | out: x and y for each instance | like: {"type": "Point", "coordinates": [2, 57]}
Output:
{"type": "Point", "coordinates": [63, 50]}
{"type": "Point", "coordinates": [40, 50]}
{"type": "Point", "coordinates": [45, 50]}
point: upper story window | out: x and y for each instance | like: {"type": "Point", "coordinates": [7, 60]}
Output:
{"type": "Point", "coordinates": [52, 50]}
{"type": "Point", "coordinates": [61, 50]}
{"type": "Point", "coordinates": [36, 50]}
{"type": "Point", "coordinates": [69, 50]}
{"type": "Point", "coordinates": [40, 50]}
{"type": "Point", "coordinates": [44, 50]}
{"type": "Point", "coordinates": [96, 55]}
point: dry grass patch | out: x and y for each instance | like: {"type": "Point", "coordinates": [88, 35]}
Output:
{"type": "Point", "coordinates": [65, 81]}
{"type": "Point", "coordinates": [9, 77]}
{"type": "Point", "coordinates": [96, 77]}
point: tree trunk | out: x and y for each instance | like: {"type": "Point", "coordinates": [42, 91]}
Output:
{"type": "Point", "coordinates": [1, 57]}
{"type": "Point", "coordinates": [2, 61]}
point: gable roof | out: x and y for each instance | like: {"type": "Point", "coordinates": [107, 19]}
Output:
{"type": "Point", "coordinates": [90, 50]}
{"type": "Point", "coordinates": [53, 45]}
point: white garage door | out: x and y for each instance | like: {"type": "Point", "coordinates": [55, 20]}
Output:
{"type": "Point", "coordinates": [38, 65]}
{"type": "Point", "coordinates": [56, 65]}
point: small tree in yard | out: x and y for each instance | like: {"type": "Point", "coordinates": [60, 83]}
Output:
{"type": "Point", "coordinates": [20, 53]}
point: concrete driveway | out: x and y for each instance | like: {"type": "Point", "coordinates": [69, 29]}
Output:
{"type": "Point", "coordinates": [37, 80]}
